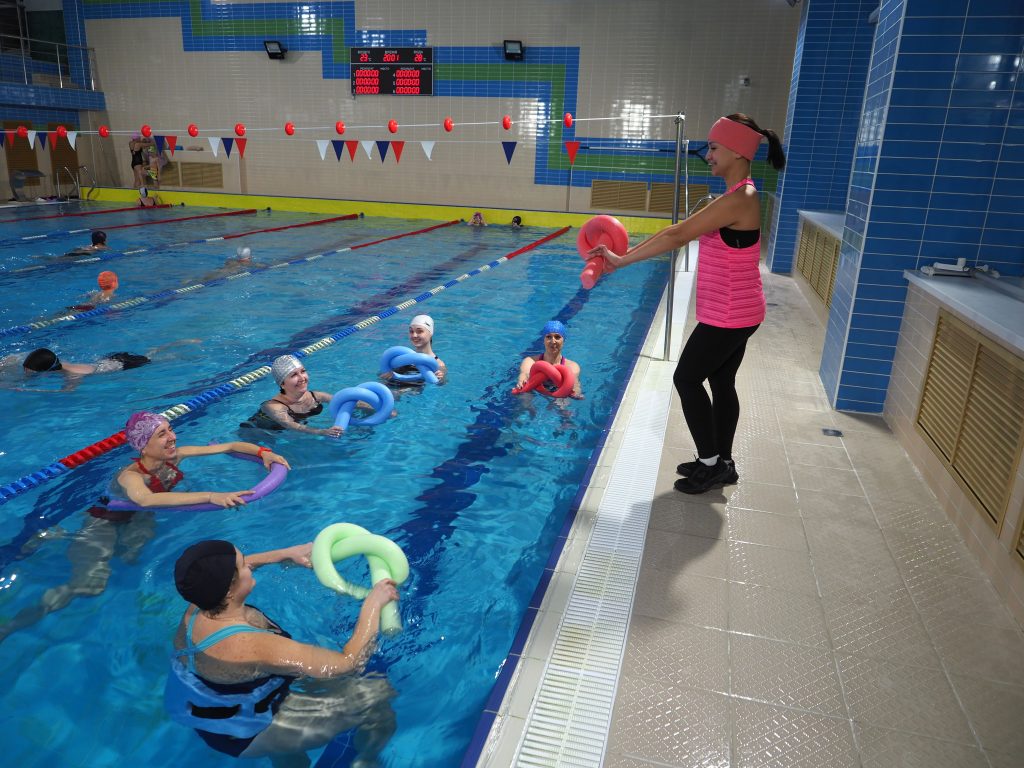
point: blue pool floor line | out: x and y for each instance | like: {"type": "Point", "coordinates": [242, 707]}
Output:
{"type": "Point", "coordinates": [44, 475]}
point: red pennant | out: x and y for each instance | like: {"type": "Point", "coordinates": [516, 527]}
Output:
{"type": "Point", "coordinates": [240, 143]}
{"type": "Point", "coordinates": [52, 136]}
{"type": "Point", "coordinates": [10, 137]}
{"type": "Point", "coordinates": [398, 146]}
{"type": "Point", "coordinates": [572, 147]}
{"type": "Point", "coordinates": [352, 146]}
{"type": "Point", "coordinates": [171, 141]}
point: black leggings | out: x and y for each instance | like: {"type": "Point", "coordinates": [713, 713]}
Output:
{"type": "Point", "coordinates": [713, 354]}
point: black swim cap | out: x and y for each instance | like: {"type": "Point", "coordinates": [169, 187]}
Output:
{"type": "Point", "coordinates": [42, 360]}
{"type": "Point", "coordinates": [99, 237]}
{"type": "Point", "coordinates": [204, 572]}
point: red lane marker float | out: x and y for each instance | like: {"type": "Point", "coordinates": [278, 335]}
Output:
{"type": "Point", "coordinates": [182, 218]}
{"type": "Point", "coordinates": [406, 234]}
{"type": "Point", "coordinates": [85, 213]}
{"type": "Point", "coordinates": [543, 240]}
{"type": "Point", "coordinates": [92, 451]}
{"type": "Point", "coordinates": [346, 217]}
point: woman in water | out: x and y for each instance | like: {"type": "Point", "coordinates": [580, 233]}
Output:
{"type": "Point", "coordinates": [294, 403]}
{"type": "Point", "coordinates": [149, 481]}
{"type": "Point", "coordinates": [236, 675]}
{"type": "Point", "coordinates": [730, 299]}
{"type": "Point", "coordinates": [554, 341]}
{"type": "Point", "coordinates": [421, 334]}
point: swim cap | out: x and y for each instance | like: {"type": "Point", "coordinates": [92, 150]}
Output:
{"type": "Point", "coordinates": [107, 280]}
{"type": "Point", "coordinates": [42, 360]}
{"type": "Point", "coordinates": [143, 192]}
{"type": "Point", "coordinates": [204, 572]}
{"type": "Point", "coordinates": [136, 135]}
{"type": "Point", "coordinates": [283, 366]}
{"type": "Point", "coordinates": [140, 428]}
{"type": "Point", "coordinates": [424, 320]}
{"type": "Point", "coordinates": [554, 326]}
{"type": "Point", "coordinates": [517, 219]}
{"type": "Point", "coordinates": [735, 136]}
{"type": "Point", "coordinates": [99, 237]}
{"type": "Point", "coordinates": [243, 252]}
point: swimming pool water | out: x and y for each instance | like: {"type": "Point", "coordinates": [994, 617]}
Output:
{"type": "Point", "coordinates": [473, 482]}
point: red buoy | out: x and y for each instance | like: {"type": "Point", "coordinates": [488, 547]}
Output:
{"type": "Point", "coordinates": [449, 124]}
{"type": "Point", "coordinates": [22, 131]}
{"type": "Point", "coordinates": [146, 131]}
{"type": "Point", "coordinates": [506, 122]}
{"type": "Point", "coordinates": [393, 126]}
{"type": "Point", "coordinates": [193, 130]}
{"type": "Point", "coordinates": [104, 131]}
{"type": "Point", "coordinates": [239, 129]}
{"type": "Point", "coordinates": [340, 127]}
{"type": "Point", "coordinates": [567, 119]}
{"type": "Point", "coordinates": [62, 131]}
{"type": "Point", "coordinates": [289, 128]}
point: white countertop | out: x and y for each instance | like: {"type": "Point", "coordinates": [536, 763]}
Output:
{"type": "Point", "coordinates": [998, 314]}
{"type": "Point", "coordinates": [831, 220]}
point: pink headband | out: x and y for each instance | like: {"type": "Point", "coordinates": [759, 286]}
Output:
{"type": "Point", "coordinates": [140, 428]}
{"type": "Point", "coordinates": [735, 136]}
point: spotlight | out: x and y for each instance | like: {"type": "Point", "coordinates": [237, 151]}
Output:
{"type": "Point", "coordinates": [514, 50]}
{"type": "Point", "coordinates": [275, 50]}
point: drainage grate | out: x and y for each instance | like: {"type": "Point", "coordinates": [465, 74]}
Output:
{"type": "Point", "coordinates": [571, 715]}
{"type": "Point", "coordinates": [831, 432]}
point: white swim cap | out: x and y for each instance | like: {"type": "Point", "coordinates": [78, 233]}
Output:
{"type": "Point", "coordinates": [424, 320]}
{"type": "Point", "coordinates": [243, 253]}
{"type": "Point", "coordinates": [283, 366]}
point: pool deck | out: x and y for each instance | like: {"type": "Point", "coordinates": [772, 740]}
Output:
{"type": "Point", "coordinates": [822, 612]}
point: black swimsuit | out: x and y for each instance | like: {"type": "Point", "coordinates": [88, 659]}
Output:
{"type": "Point", "coordinates": [260, 420]}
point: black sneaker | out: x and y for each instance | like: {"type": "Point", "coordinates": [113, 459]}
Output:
{"type": "Point", "coordinates": [704, 478]}
{"type": "Point", "coordinates": [687, 467]}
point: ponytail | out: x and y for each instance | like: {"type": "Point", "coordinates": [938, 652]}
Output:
{"type": "Point", "coordinates": [776, 156]}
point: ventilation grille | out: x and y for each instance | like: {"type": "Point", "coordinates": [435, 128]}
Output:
{"type": "Point", "coordinates": [199, 175]}
{"type": "Point", "coordinates": [661, 197]}
{"type": "Point", "coordinates": [817, 258]}
{"type": "Point", "coordinates": [972, 413]}
{"type": "Point", "coordinates": [618, 195]}
{"type": "Point", "coordinates": [20, 155]}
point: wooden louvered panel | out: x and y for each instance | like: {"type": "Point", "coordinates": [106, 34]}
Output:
{"type": "Point", "coordinates": [170, 175]}
{"type": "Point", "coordinates": [946, 385]}
{"type": "Point", "coordinates": [836, 246]}
{"type": "Point", "coordinates": [20, 155]}
{"type": "Point", "coordinates": [202, 175]}
{"type": "Point", "coordinates": [618, 195]}
{"type": "Point", "coordinates": [821, 280]}
{"type": "Point", "coordinates": [972, 412]}
{"type": "Point", "coordinates": [661, 197]}
{"type": "Point", "coordinates": [803, 249]}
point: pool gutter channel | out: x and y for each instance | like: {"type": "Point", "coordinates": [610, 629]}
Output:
{"type": "Point", "coordinates": [557, 708]}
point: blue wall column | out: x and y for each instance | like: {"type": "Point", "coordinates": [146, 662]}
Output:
{"type": "Point", "coordinates": [937, 175]}
{"type": "Point", "coordinates": [830, 68]}
{"type": "Point", "coordinates": [74, 35]}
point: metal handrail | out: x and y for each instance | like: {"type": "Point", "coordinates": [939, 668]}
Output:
{"type": "Point", "coordinates": [45, 42]}
{"type": "Point", "coordinates": [74, 182]}
{"type": "Point", "coordinates": [74, 57]}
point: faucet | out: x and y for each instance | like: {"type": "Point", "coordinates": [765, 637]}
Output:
{"type": "Point", "coordinates": [695, 206]}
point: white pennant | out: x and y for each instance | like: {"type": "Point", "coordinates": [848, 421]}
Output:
{"type": "Point", "coordinates": [32, 139]}
{"type": "Point", "coordinates": [214, 144]}
{"type": "Point", "coordinates": [368, 149]}
{"type": "Point", "coordinates": [428, 147]}
{"type": "Point", "coordinates": [321, 144]}
{"type": "Point", "coordinates": [72, 138]}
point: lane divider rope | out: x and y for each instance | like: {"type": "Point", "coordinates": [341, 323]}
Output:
{"type": "Point", "coordinates": [18, 220]}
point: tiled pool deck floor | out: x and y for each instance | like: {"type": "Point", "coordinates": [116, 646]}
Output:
{"type": "Point", "coordinates": [820, 613]}
{"type": "Point", "coordinates": [823, 612]}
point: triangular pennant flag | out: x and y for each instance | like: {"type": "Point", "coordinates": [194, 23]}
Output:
{"type": "Point", "coordinates": [159, 143]}
{"type": "Point", "coordinates": [10, 137]}
{"type": "Point", "coordinates": [322, 145]}
{"type": "Point", "coordinates": [3, 135]}
{"type": "Point", "coordinates": [52, 136]}
{"type": "Point", "coordinates": [510, 148]}
{"type": "Point", "coordinates": [367, 148]}
{"type": "Point", "coordinates": [214, 144]}
{"type": "Point", "coordinates": [72, 138]}
{"type": "Point", "coordinates": [351, 147]}
{"type": "Point", "coordinates": [32, 139]}
{"type": "Point", "coordinates": [338, 145]}
{"type": "Point", "coordinates": [240, 143]}
{"type": "Point", "coordinates": [428, 147]}
{"type": "Point", "coordinates": [572, 147]}
{"type": "Point", "coordinates": [399, 146]}
{"type": "Point", "coordinates": [172, 142]}
{"type": "Point", "coordinates": [382, 146]}
{"type": "Point", "coordinates": [228, 144]}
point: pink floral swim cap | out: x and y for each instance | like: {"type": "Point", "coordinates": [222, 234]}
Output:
{"type": "Point", "coordinates": [140, 428]}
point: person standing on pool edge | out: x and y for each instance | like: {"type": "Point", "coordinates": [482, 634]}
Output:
{"type": "Point", "coordinates": [730, 298]}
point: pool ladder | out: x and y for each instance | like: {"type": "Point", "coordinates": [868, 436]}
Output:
{"type": "Point", "coordinates": [75, 179]}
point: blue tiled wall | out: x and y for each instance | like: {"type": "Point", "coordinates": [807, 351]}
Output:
{"type": "Point", "coordinates": [936, 176]}
{"type": "Point", "coordinates": [829, 70]}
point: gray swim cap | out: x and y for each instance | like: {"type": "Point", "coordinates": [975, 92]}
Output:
{"type": "Point", "coordinates": [283, 366]}
{"type": "Point", "coordinates": [243, 252]}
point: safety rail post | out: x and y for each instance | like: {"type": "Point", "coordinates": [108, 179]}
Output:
{"type": "Point", "coordinates": [670, 293]}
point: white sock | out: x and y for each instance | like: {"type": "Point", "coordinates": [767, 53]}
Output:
{"type": "Point", "coordinates": [710, 462]}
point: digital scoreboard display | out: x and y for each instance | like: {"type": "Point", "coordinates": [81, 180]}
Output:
{"type": "Point", "coordinates": [392, 71]}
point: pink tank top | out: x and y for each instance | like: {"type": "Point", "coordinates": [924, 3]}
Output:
{"type": "Point", "coordinates": [729, 292]}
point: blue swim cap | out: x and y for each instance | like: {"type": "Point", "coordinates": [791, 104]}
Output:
{"type": "Point", "coordinates": [554, 326]}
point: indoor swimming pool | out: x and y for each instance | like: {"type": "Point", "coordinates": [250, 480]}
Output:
{"type": "Point", "coordinates": [475, 484]}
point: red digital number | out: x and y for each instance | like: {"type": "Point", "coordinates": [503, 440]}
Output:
{"type": "Point", "coordinates": [364, 57]}
{"type": "Point", "coordinates": [418, 57]}
{"type": "Point", "coordinates": [389, 57]}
